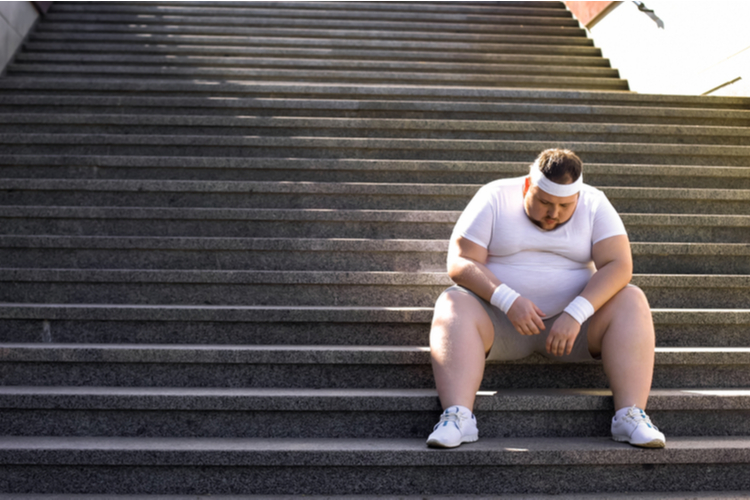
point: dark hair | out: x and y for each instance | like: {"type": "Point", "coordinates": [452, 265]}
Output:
{"type": "Point", "coordinates": [559, 164]}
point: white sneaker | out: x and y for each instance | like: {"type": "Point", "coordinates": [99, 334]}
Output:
{"type": "Point", "coordinates": [453, 429]}
{"type": "Point", "coordinates": [636, 428]}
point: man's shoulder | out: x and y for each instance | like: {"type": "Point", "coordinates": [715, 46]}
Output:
{"type": "Point", "coordinates": [503, 184]}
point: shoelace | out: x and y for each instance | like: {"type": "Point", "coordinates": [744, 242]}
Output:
{"type": "Point", "coordinates": [639, 416]}
{"type": "Point", "coordinates": [457, 419]}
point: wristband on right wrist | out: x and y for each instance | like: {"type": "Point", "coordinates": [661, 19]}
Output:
{"type": "Point", "coordinates": [580, 309]}
{"type": "Point", "coordinates": [503, 297]}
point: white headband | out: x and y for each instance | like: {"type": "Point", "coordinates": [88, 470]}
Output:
{"type": "Point", "coordinates": [553, 188]}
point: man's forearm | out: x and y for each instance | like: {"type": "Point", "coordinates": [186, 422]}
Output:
{"type": "Point", "coordinates": [474, 276]}
{"type": "Point", "coordinates": [606, 282]}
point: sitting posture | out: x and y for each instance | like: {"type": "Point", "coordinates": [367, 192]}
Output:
{"type": "Point", "coordinates": [542, 263]}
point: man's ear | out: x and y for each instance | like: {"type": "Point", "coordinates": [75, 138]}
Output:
{"type": "Point", "coordinates": [526, 186]}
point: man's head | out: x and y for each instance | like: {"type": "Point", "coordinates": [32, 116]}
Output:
{"type": "Point", "coordinates": [551, 190]}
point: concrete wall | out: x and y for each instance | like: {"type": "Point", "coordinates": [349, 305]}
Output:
{"type": "Point", "coordinates": [16, 19]}
{"type": "Point", "coordinates": [703, 45]}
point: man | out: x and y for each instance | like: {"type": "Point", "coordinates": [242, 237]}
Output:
{"type": "Point", "coordinates": [542, 264]}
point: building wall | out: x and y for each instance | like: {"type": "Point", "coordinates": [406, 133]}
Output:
{"type": "Point", "coordinates": [16, 19]}
{"type": "Point", "coordinates": [703, 45]}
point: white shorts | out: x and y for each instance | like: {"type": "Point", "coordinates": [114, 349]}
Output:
{"type": "Point", "coordinates": [509, 344]}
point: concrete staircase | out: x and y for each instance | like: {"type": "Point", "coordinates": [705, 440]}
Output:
{"type": "Point", "coordinates": [223, 228]}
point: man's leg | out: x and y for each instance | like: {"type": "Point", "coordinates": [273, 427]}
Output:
{"type": "Point", "coordinates": [622, 331]}
{"type": "Point", "coordinates": [462, 333]}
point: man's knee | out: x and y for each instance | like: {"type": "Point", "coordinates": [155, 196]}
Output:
{"type": "Point", "coordinates": [465, 312]}
{"type": "Point", "coordinates": [629, 300]}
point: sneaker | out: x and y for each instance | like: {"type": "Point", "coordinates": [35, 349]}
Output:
{"type": "Point", "coordinates": [453, 429]}
{"type": "Point", "coordinates": [636, 428]}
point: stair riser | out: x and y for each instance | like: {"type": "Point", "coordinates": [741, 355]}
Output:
{"type": "Point", "coordinates": [346, 201]}
{"type": "Point", "coordinates": [284, 260]}
{"type": "Point", "coordinates": [322, 229]}
{"type": "Point", "coordinates": [394, 480]}
{"type": "Point", "coordinates": [348, 424]}
{"type": "Point", "coordinates": [396, 133]}
{"type": "Point", "coordinates": [96, 47]}
{"type": "Point", "coordinates": [322, 76]}
{"type": "Point", "coordinates": [302, 333]}
{"type": "Point", "coordinates": [377, 152]}
{"type": "Point", "coordinates": [361, 376]}
{"type": "Point", "coordinates": [254, 44]}
{"type": "Point", "coordinates": [354, 175]}
{"type": "Point", "coordinates": [322, 295]}
{"type": "Point", "coordinates": [392, 112]}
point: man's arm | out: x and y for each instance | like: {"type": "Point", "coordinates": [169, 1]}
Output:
{"type": "Point", "coordinates": [614, 270]}
{"type": "Point", "coordinates": [467, 267]}
{"type": "Point", "coordinates": [614, 264]}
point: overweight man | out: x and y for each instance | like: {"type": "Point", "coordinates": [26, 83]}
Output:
{"type": "Point", "coordinates": [542, 264]}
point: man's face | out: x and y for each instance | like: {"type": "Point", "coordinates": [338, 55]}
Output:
{"type": "Point", "coordinates": [545, 210]}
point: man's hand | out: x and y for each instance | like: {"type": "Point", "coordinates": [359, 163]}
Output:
{"type": "Point", "coordinates": [563, 335]}
{"type": "Point", "coordinates": [526, 317]}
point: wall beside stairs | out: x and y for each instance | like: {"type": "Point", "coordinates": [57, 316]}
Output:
{"type": "Point", "coordinates": [703, 49]}
{"type": "Point", "coordinates": [16, 20]}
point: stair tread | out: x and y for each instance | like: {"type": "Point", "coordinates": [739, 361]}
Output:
{"type": "Point", "coordinates": [366, 452]}
{"type": "Point", "coordinates": [362, 400]}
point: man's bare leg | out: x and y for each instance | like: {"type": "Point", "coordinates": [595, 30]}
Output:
{"type": "Point", "coordinates": [461, 334]}
{"type": "Point", "coordinates": [623, 332]}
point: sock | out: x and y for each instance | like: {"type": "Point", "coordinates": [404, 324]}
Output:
{"type": "Point", "coordinates": [461, 409]}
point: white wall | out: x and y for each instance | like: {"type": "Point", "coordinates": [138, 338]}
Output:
{"type": "Point", "coordinates": [16, 19]}
{"type": "Point", "coordinates": [704, 44]}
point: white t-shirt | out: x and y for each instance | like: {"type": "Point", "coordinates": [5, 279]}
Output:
{"type": "Point", "coordinates": [550, 268]}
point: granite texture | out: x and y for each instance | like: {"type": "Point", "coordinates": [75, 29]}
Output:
{"type": "Point", "coordinates": [349, 196]}
{"type": "Point", "coordinates": [347, 170]}
{"type": "Point", "coordinates": [313, 288]}
{"type": "Point", "coordinates": [247, 332]}
{"type": "Point", "coordinates": [373, 128]}
{"type": "Point", "coordinates": [303, 326]}
{"type": "Point", "coordinates": [530, 24]}
{"type": "Point", "coordinates": [396, 480]}
{"type": "Point", "coordinates": [304, 254]}
{"type": "Point", "coordinates": [366, 75]}
{"type": "Point", "coordinates": [394, 68]}
{"type": "Point", "coordinates": [95, 86]}
{"type": "Point", "coordinates": [329, 423]}
{"type": "Point", "coordinates": [339, 9]}
{"type": "Point", "coordinates": [332, 367]}
{"type": "Point", "coordinates": [314, 354]}
{"type": "Point", "coordinates": [377, 224]}
{"type": "Point", "coordinates": [499, 14]}
{"type": "Point", "coordinates": [364, 148]}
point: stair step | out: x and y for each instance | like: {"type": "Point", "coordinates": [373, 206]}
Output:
{"type": "Point", "coordinates": [406, 108]}
{"type": "Point", "coordinates": [303, 254]}
{"type": "Point", "coordinates": [504, 54]}
{"type": "Point", "coordinates": [497, 35]}
{"type": "Point", "coordinates": [322, 75]}
{"type": "Point", "coordinates": [317, 223]}
{"type": "Point", "coordinates": [342, 10]}
{"type": "Point", "coordinates": [314, 288]}
{"type": "Point", "coordinates": [347, 196]}
{"type": "Point", "coordinates": [334, 367]}
{"type": "Point", "coordinates": [289, 325]}
{"type": "Point", "coordinates": [258, 44]}
{"type": "Point", "coordinates": [349, 413]}
{"type": "Point", "coordinates": [348, 170]}
{"type": "Point", "coordinates": [399, 23]}
{"type": "Point", "coordinates": [394, 64]}
{"type": "Point", "coordinates": [133, 87]}
{"type": "Point", "coordinates": [37, 123]}
{"type": "Point", "coordinates": [364, 148]}
{"type": "Point", "coordinates": [358, 466]}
